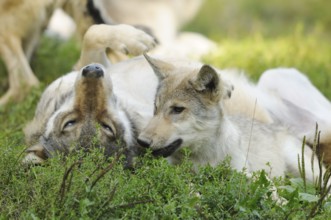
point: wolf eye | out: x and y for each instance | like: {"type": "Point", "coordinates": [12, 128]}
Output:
{"type": "Point", "coordinates": [69, 124]}
{"type": "Point", "coordinates": [177, 109]}
{"type": "Point", "coordinates": [155, 109]}
{"type": "Point", "coordinates": [107, 127]}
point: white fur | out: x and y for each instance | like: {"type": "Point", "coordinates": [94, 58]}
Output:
{"type": "Point", "coordinates": [165, 18]}
{"type": "Point", "coordinates": [295, 101]}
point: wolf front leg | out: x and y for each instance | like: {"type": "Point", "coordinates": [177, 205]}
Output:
{"type": "Point", "coordinates": [21, 77]}
{"type": "Point", "coordinates": [122, 38]}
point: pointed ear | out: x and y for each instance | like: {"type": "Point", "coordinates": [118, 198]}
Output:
{"type": "Point", "coordinates": [161, 68]}
{"type": "Point", "coordinates": [209, 82]}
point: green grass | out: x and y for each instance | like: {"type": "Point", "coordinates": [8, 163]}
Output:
{"type": "Point", "coordinates": [71, 189]}
{"type": "Point", "coordinates": [156, 189]}
{"type": "Point", "coordinates": [309, 53]}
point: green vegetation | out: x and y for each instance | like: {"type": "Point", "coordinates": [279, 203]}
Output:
{"type": "Point", "coordinates": [292, 34]}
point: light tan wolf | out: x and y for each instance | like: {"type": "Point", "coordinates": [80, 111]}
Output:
{"type": "Point", "coordinates": [189, 113]}
{"type": "Point", "coordinates": [21, 25]}
{"type": "Point", "coordinates": [84, 106]}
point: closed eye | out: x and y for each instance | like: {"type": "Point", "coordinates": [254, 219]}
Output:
{"type": "Point", "coordinates": [107, 128]}
{"type": "Point", "coordinates": [177, 109]}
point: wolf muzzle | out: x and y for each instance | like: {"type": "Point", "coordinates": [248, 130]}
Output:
{"type": "Point", "coordinates": [92, 71]}
{"type": "Point", "coordinates": [163, 152]}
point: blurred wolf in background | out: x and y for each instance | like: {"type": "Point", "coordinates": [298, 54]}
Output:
{"type": "Point", "coordinates": [22, 23]}
{"type": "Point", "coordinates": [163, 18]}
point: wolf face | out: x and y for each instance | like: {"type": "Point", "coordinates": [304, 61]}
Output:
{"type": "Point", "coordinates": [186, 103]}
{"type": "Point", "coordinates": [78, 111]}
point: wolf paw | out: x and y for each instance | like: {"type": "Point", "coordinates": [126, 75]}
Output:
{"type": "Point", "coordinates": [132, 40]}
{"type": "Point", "coordinates": [17, 94]}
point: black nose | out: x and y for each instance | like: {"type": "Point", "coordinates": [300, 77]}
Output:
{"type": "Point", "coordinates": [144, 143]}
{"type": "Point", "coordinates": [92, 71]}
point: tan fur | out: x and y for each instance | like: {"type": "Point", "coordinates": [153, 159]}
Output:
{"type": "Point", "coordinates": [324, 151]}
{"type": "Point", "coordinates": [22, 23]}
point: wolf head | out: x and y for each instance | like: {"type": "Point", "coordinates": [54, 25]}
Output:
{"type": "Point", "coordinates": [78, 111]}
{"type": "Point", "coordinates": [187, 107]}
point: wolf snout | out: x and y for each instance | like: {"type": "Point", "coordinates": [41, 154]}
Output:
{"type": "Point", "coordinates": [92, 71]}
{"type": "Point", "coordinates": [144, 142]}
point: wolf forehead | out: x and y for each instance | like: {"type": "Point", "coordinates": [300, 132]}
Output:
{"type": "Point", "coordinates": [190, 85]}
{"type": "Point", "coordinates": [176, 90]}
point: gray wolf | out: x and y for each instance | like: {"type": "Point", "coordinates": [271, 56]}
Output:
{"type": "Point", "coordinates": [189, 113]}
{"type": "Point", "coordinates": [88, 105]}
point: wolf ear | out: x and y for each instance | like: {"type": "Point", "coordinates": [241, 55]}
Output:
{"type": "Point", "coordinates": [209, 82]}
{"type": "Point", "coordinates": [161, 68]}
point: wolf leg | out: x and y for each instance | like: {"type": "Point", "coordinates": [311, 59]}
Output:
{"type": "Point", "coordinates": [21, 77]}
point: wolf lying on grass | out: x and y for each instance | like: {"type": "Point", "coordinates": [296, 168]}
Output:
{"type": "Point", "coordinates": [124, 95]}
{"type": "Point", "coordinates": [189, 113]}
{"type": "Point", "coordinates": [84, 105]}
{"type": "Point", "coordinates": [99, 105]}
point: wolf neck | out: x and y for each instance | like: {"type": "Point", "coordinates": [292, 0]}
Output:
{"type": "Point", "coordinates": [214, 150]}
{"type": "Point", "coordinates": [219, 140]}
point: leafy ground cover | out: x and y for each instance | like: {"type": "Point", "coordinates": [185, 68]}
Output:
{"type": "Point", "coordinates": [92, 187]}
